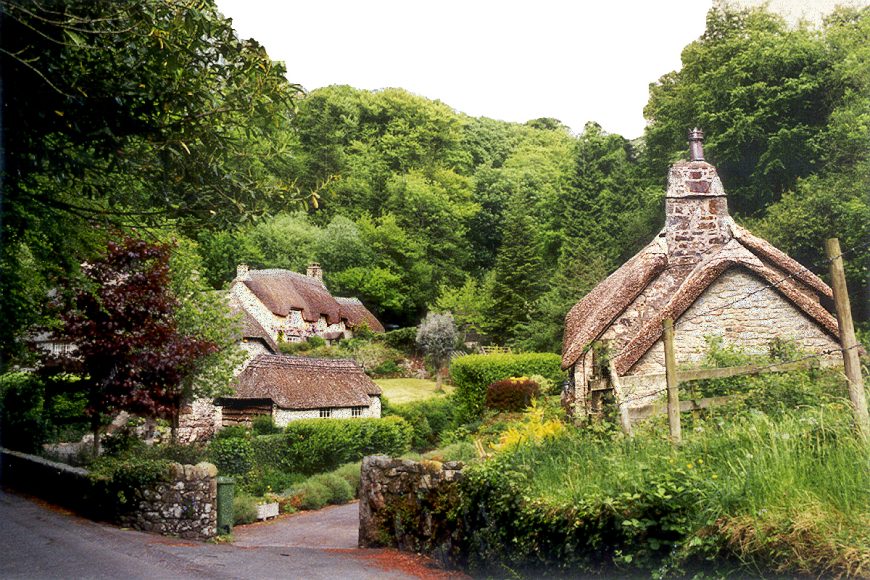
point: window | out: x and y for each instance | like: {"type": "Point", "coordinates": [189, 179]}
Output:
{"type": "Point", "coordinates": [325, 413]}
{"type": "Point", "coordinates": [356, 411]}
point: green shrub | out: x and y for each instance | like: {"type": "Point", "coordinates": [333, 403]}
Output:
{"type": "Point", "coordinates": [22, 425]}
{"type": "Point", "coordinates": [472, 374]}
{"type": "Point", "coordinates": [429, 419]}
{"type": "Point", "coordinates": [117, 481]}
{"type": "Point", "coordinates": [350, 472]}
{"type": "Point", "coordinates": [403, 339]}
{"type": "Point", "coordinates": [266, 479]}
{"type": "Point", "coordinates": [315, 341]}
{"type": "Point", "coordinates": [316, 445]}
{"type": "Point", "coordinates": [122, 442]}
{"type": "Point", "coordinates": [232, 456]}
{"type": "Point", "coordinates": [340, 491]}
{"type": "Point", "coordinates": [293, 347]}
{"type": "Point", "coordinates": [386, 368]}
{"type": "Point", "coordinates": [233, 432]}
{"type": "Point", "coordinates": [460, 451]}
{"type": "Point", "coordinates": [514, 394]}
{"type": "Point", "coordinates": [244, 509]}
{"type": "Point", "coordinates": [264, 425]}
{"type": "Point", "coordinates": [312, 495]}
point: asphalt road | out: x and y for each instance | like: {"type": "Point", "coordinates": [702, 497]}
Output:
{"type": "Point", "coordinates": [43, 542]}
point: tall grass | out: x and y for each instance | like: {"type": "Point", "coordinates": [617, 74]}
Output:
{"type": "Point", "coordinates": [787, 493]}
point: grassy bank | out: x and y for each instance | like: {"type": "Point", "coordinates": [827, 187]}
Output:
{"type": "Point", "coordinates": [404, 390]}
{"type": "Point", "coordinates": [756, 493]}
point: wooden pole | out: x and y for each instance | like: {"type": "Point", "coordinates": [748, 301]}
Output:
{"type": "Point", "coordinates": [671, 378]}
{"type": "Point", "coordinates": [624, 417]}
{"type": "Point", "coordinates": [847, 338]}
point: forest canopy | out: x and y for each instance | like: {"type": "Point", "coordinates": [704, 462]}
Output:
{"type": "Point", "coordinates": [154, 119]}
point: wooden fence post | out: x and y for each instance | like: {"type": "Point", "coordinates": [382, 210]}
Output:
{"type": "Point", "coordinates": [671, 378]}
{"type": "Point", "coordinates": [847, 338]}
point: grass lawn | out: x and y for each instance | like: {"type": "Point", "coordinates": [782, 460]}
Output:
{"type": "Point", "coordinates": [407, 390]}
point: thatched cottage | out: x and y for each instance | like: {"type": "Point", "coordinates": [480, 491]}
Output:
{"type": "Point", "coordinates": [290, 388]}
{"type": "Point", "coordinates": [708, 274]}
{"type": "Point", "coordinates": [291, 307]}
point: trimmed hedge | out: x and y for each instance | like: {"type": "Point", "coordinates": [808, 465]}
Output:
{"type": "Point", "coordinates": [472, 374]}
{"type": "Point", "coordinates": [316, 445]}
{"type": "Point", "coordinates": [429, 419]}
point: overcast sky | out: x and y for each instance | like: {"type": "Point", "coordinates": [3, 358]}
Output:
{"type": "Point", "coordinates": [576, 60]}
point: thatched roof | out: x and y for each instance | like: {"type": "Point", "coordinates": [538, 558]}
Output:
{"type": "Point", "coordinates": [355, 313]}
{"type": "Point", "coordinates": [282, 291]}
{"type": "Point", "coordinates": [250, 328]}
{"type": "Point", "coordinates": [300, 383]}
{"type": "Point", "coordinates": [599, 309]}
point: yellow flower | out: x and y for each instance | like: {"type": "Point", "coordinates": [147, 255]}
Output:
{"type": "Point", "coordinates": [689, 465]}
{"type": "Point", "coordinates": [700, 461]}
{"type": "Point", "coordinates": [714, 476]}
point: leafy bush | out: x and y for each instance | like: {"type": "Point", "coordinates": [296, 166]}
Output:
{"type": "Point", "coordinates": [313, 445]}
{"type": "Point", "coordinates": [310, 495]}
{"type": "Point", "coordinates": [472, 374]}
{"type": "Point", "coordinates": [264, 425]}
{"type": "Point", "coordinates": [22, 426]}
{"type": "Point", "coordinates": [315, 341]}
{"type": "Point", "coordinates": [244, 509]}
{"type": "Point", "coordinates": [267, 479]}
{"type": "Point", "coordinates": [403, 339]}
{"type": "Point", "coordinates": [122, 442]}
{"type": "Point", "coordinates": [232, 456]}
{"type": "Point", "coordinates": [233, 432]}
{"type": "Point", "coordinates": [514, 394]}
{"type": "Point", "coordinates": [340, 491]}
{"type": "Point", "coordinates": [184, 454]}
{"type": "Point", "coordinates": [117, 481]}
{"type": "Point", "coordinates": [350, 472]}
{"type": "Point", "coordinates": [386, 368]}
{"type": "Point", "coordinates": [429, 419]}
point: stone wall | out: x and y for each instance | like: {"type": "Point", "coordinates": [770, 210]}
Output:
{"type": "Point", "coordinates": [198, 422]}
{"type": "Point", "coordinates": [409, 505]}
{"type": "Point", "coordinates": [185, 506]}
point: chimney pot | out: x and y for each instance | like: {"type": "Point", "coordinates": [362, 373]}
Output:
{"type": "Point", "coordinates": [242, 270]}
{"type": "Point", "coordinates": [696, 145]}
{"type": "Point", "coordinates": [315, 271]}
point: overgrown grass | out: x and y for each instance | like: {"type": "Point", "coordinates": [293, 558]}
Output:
{"type": "Point", "coordinates": [788, 493]}
{"type": "Point", "coordinates": [400, 391]}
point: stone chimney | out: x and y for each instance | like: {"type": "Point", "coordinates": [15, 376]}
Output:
{"type": "Point", "coordinates": [696, 209]}
{"type": "Point", "coordinates": [242, 270]}
{"type": "Point", "coordinates": [314, 271]}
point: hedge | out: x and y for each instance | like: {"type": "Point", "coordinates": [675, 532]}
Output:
{"type": "Point", "coordinates": [428, 418]}
{"type": "Point", "coordinates": [316, 445]}
{"type": "Point", "coordinates": [472, 374]}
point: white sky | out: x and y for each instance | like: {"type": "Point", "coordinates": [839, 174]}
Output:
{"type": "Point", "coordinates": [575, 60]}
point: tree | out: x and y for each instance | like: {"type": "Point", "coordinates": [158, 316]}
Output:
{"type": "Point", "coordinates": [763, 94]}
{"type": "Point", "coordinates": [128, 347]}
{"type": "Point", "coordinates": [128, 114]}
{"type": "Point", "coordinates": [436, 338]}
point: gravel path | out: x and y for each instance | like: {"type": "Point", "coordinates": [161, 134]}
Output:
{"type": "Point", "coordinates": [329, 528]}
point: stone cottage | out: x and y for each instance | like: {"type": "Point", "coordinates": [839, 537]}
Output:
{"type": "Point", "coordinates": [291, 387]}
{"type": "Point", "coordinates": [291, 307]}
{"type": "Point", "coordinates": [711, 276]}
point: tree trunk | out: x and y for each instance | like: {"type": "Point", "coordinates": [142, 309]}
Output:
{"type": "Point", "coordinates": [438, 379]}
{"type": "Point", "coordinates": [173, 430]}
{"type": "Point", "coordinates": [95, 430]}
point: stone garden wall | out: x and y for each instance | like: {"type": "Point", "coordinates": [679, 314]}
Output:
{"type": "Point", "coordinates": [183, 504]}
{"type": "Point", "coordinates": [410, 506]}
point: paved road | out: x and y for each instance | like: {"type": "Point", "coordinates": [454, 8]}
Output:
{"type": "Point", "coordinates": [335, 527]}
{"type": "Point", "coordinates": [42, 542]}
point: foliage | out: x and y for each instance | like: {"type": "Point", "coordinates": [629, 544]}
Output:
{"type": "Point", "coordinates": [129, 115]}
{"type": "Point", "coordinates": [22, 426]}
{"type": "Point", "coordinates": [513, 394]}
{"type": "Point", "coordinates": [129, 348]}
{"type": "Point", "coordinates": [436, 338]}
{"type": "Point", "coordinates": [314, 445]}
{"type": "Point", "coordinates": [264, 425]}
{"type": "Point", "coordinates": [350, 472]}
{"type": "Point", "coordinates": [311, 494]}
{"type": "Point", "coordinates": [754, 494]}
{"type": "Point", "coordinates": [340, 490]}
{"type": "Point", "coordinates": [401, 339]}
{"type": "Point", "coordinates": [232, 455]}
{"type": "Point", "coordinates": [472, 374]}
{"type": "Point", "coordinates": [244, 509]}
{"type": "Point", "coordinates": [117, 481]}
{"type": "Point", "coordinates": [534, 428]}
{"type": "Point", "coordinates": [428, 419]}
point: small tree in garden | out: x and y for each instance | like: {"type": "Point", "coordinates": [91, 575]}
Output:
{"type": "Point", "coordinates": [436, 337]}
{"type": "Point", "coordinates": [128, 349]}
